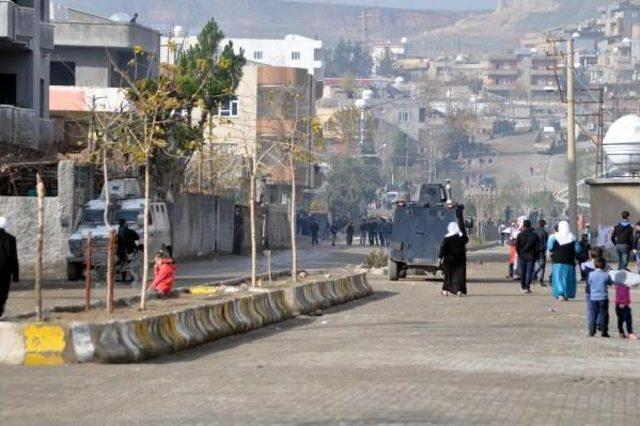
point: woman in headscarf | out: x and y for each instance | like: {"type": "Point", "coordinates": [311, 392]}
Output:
{"type": "Point", "coordinates": [563, 248]}
{"type": "Point", "coordinates": [453, 257]}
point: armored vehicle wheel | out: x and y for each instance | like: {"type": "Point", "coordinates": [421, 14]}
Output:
{"type": "Point", "coordinates": [74, 271]}
{"type": "Point", "coordinates": [393, 270]}
{"type": "Point", "coordinates": [402, 273]}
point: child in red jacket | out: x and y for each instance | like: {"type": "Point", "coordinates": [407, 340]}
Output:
{"type": "Point", "coordinates": [165, 274]}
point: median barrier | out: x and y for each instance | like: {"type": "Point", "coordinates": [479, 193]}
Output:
{"type": "Point", "coordinates": [135, 340]}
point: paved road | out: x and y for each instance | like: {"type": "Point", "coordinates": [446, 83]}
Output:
{"type": "Point", "coordinates": [403, 356]}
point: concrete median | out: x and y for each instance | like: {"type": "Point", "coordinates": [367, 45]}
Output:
{"type": "Point", "coordinates": [134, 340]}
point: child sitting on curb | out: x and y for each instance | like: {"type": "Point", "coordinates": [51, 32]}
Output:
{"type": "Point", "coordinates": [165, 275]}
{"type": "Point", "coordinates": [599, 282]}
{"type": "Point", "coordinates": [623, 311]}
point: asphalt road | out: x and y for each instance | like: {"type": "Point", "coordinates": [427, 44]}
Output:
{"type": "Point", "coordinates": [405, 355]}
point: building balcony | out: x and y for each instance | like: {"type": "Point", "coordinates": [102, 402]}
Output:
{"type": "Point", "coordinates": [502, 72]}
{"type": "Point", "coordinates": [18, 24]}
{"type": "Point", "coordinates": [22, 127]}
{"type": "Point", "coordinates": [501, 87]}
{"type": "Point", "coordinates": [108, 34]}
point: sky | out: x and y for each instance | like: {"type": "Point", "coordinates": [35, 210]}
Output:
{"type": "Point", "coordinates": [419, 4]}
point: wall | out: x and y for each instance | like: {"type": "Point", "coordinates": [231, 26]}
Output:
{"type": "Point", "coordinates": [272, 222]}
{"type": "Point", "coordinates": [201, 225]}
{"type": "Point", "coordinates": [22, 215]}
{"type": "Point", "coordinates": [609, 197]}
{"type": "Point", "coordinates": [92, 64]}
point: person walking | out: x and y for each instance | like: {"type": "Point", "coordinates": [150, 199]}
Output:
{"type": "Point", "coordinates": [363, 231]}
{"type": "Point", "coordinates": [126, 245]}
{"type": "Point", "coordinates": [563, 248]}
{"type": "Point", "coordinates": [527, 247]}
{"type": "Point", "coordinates": [9, 268]}
{"type": "Point", "coordinates": [636, 245]}
{"type": "Point", "coordinates": [382, 231]}
{"type": "Point", "coordinates": [372, 231]}
{"type": "Point", "coordinates": [334, 233]}
{"type": "Point", "coordinates": [350, 231]}
{"type": "Point", "coordinates": [314, 228]}
{"type": "Point", "coordinates": [623, 311]}
{"type": "Point", "coordinates": [583, 255]}
{"type": "Point", "coordinates": [507, 214]}
{"type": "Point", "coordinates": [453, 258]}
{"type": "Point", "coordinates": [541, 263]}
{"type": "Point", "coordinates": [622, 239]}
{"type": "Point", "coordinates": [501, 233]}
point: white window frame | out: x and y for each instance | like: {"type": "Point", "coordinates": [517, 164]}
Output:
{"type": "Point", "coordinates": [229, 112]}
{"type": "Point", "coordinates": [296, 56]}
{"type": "Point", "coordinates": [404, 117]}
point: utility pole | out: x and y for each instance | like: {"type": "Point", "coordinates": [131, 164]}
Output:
{"type": "Point", "coordinates": [572, 174]}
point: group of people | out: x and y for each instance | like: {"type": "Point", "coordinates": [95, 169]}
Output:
{"type": "Point", "coordinates": [530, 248]}
{"type": "Point", "coordinates": [377, 230]}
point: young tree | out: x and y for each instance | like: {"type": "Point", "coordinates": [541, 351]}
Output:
{"type": "Point", "coordinates": [386, 65]}
{"type": "Point", "coordinates": [352, 184]}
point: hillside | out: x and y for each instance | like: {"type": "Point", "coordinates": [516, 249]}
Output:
{"type": "Point", "coordinates": [503, 28]}
{"type": "Point", "coordinates": [270, 18]}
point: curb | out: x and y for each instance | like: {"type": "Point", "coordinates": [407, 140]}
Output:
{"type": "Point", "coordinates": [128, 341]}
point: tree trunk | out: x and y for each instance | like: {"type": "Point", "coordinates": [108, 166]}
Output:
{"type": "Point", "coordinates": [107, 224]}
{"type": "Point", "coordinates": [39, 247]}
{"type": "Point", "coordinates": [252, 214]}
{"type": "Point", "coordinates": [145, 253]}
{"type": "Point", "coordinates": [294, 248]}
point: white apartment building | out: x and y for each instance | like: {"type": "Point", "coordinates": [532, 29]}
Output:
{"type": "Point", "coordinates": [293, 51]}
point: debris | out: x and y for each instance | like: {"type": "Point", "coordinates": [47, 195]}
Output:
{"type": "Point", "coordinates": [552, 310]}
{"type": "Point", "coordinates": [323, 322]}
{"type": "Point", "coordinates": [318, 313]}
{"type": "Point", "coordinates": [303, 274]}
{"type": "Point", "coordinates": [327, 275]}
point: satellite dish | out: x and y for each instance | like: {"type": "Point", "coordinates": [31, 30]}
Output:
{"type": "Point", "coordinates": [120, 17]}
{"type": "Point", "coordinates": [622, 143]}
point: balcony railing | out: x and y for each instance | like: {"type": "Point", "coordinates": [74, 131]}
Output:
{"type": "Point", "coordinates": [23, 127]}
{"type": "Point", "coordinates": [17, 24]}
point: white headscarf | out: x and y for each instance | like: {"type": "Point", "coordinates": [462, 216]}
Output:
{"type": "Point", "coordinates": [564, 235]}
{"type": "Point", "coordinates": [3, 223]}
{"type": "Point", "coordinates": [453, 229]}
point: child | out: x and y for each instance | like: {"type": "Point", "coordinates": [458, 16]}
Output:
{"type": "Point", "coordinates": [599, 281]}
{"type": "Point", "coordinates": [165, 274]}
{"type": "Point", "coordinates": [623, 311]}
{"type": "Point", "coordinates": [583, 255]}
{"type": "Point", "coordinates": [587, 268]}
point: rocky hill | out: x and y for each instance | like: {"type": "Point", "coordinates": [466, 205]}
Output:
{"type": "Point", "coordinates": [513, 18]}
{"type": "Point", "coordinates": [270, 18]}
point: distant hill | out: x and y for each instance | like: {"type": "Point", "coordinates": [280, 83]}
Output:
{"type": "Point", "coordinates": [274, 18]}
{"type": "Point", "coordinates": [503, 28]}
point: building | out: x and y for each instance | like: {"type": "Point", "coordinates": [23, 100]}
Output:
{"type": "Point", "coordinates": [501, 75]}
{"type": "Point", "coordinates": [91, 56]}
{"type": "Point", "coordinates": [292, 51]}
{"type": "Point", "coordinates": [26, 42]}
{"type": "Point", "coordinates": [272, 105]}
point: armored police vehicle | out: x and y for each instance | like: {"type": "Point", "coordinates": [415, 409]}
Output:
{"type": "Point", "coordinates": [419, 224]}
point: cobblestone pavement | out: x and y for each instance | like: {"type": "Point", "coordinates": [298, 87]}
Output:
{"type": "Point", "coordinates": [403, 356]}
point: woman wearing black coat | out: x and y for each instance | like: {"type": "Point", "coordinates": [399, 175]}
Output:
{"type": "Point", "coordinates": [453, 258]}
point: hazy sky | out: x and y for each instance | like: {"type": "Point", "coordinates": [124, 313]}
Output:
{"type": "Point", "coordinates": [419, 4]}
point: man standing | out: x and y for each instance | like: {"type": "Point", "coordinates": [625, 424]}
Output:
{"type": "Point", "coordinates": [126, 245]}
{"type": "Point", "coordinates": [527, 246]}
{"type": "Point", "coordinates": [315, 228]}
{"type": "Point", "coordinates": [363, 231]}
{"type": "Point", "coordinates": [507, 214]}
{"type": "Point", "coordinates": [334, 233]}
{"type": "Point", "coordinates": [501, 231]}
{"type": "Point", "coordinates": [541, 263]}
{"type": "Point", "coordinates": [622, 238]}
{"type": "Point", "coordinates": [349, 231]}
{"type": "Point", "coordinates": [9, 268]}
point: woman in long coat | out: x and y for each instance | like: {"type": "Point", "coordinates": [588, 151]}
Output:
{"type": "Point", "coordinates": [563, 248]}
{"type": "Point", "coordinates": [453, 257]}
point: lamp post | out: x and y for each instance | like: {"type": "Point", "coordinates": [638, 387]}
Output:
{"type": "Point", "coordinates": [572, 173]}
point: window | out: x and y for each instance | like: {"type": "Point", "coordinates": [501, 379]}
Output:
{"type": "Point", "coordinates": [9, 92]}
{"type": "Point", "coordinates": [63, 73]}
{"type": "Point", "coordinates": [257, 54]}
{"type": "Point", "coordinates": [404, 117]}
{"type": "Point", "coordinates": [229, 108]}
{"type": "Point", "coordinates": [295, 56]}
{"type": "Point", "coordinates": [423, 115]}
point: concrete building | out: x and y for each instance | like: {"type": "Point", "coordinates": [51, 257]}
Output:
{"type": "Point", "coordinates": [26, 42]}
{"type": "Point", "coordinates": [90, 56]}
{"type": "Point", "coordinates": [292, 51]}
{"type": "Point", "coordinates": [501, 75]}
{"type": "Point", "coordinates": [272, 104]}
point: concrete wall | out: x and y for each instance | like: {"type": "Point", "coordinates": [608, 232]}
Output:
{"type": "Point", "coordinates": [22, 214]}
{"type": "Point", "coordinates": [278, 227]}
{"type": "Point", "coordinates": [92, 64]}
{"type": "Point", "coordinates": [201, 225]}
{"type": "Point", "coordinates": [609, 197]}
{"type": "Point", "coordinates": [116, 35]}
